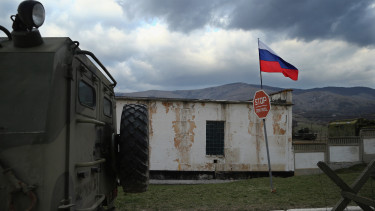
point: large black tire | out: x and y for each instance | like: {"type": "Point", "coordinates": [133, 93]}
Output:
{"type": "Point", "coordinates": [133, 149]}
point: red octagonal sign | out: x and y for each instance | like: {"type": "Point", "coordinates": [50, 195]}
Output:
{"type": "Point", "coordinates": [261, 103]}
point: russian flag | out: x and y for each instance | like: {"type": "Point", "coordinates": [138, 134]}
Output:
{"type": "Point", "coordinates": [272, 63]}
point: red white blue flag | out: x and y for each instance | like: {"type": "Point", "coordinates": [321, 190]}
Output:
{"type": "Point", "coordinates": [272, 63]}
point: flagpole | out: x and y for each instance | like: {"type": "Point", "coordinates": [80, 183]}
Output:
{"type": "Point", "coordinates": [265, 131]}
{"type": "Point", "coordinates": [260, 71]}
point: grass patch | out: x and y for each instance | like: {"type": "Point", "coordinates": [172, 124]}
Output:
{"type": "Point", "coordinates": [253, 194]}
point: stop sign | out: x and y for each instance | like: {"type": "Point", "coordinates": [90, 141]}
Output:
{"type": "Point", "coordinates": [261, 103]}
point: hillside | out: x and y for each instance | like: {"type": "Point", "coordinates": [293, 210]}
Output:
{"type": "Point", "coordinates": [318, 104]}
{"type": "Point", "coordinates": [235, 91]}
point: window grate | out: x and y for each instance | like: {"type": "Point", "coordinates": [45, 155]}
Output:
{"type": "Point", "coordinates": [215, 138]}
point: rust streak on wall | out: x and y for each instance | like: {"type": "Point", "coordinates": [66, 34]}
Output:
{"type": "Point", "coordinates": [177, 138]}
{"type": "Point", "coordinates": [251, 123]}
{"type": "Point", "coordinates": [191, 128]}
{"type": "Point", "coordinates": [152, 110]}
{"type": "Point", "coordinates": [277, 130]}
{"type": "Point", "coordinates": [258, 139]}
{"type": "Point", "coordinates": [176, 128]}
{"type": "Point", "coordinates": [250, 128]}
{"type": "Point", "coordinates": [178, 162]}
{"type": "Point", "coordinates": [167, 105]}
{"type": "Point", "coordinates": [183, 128]}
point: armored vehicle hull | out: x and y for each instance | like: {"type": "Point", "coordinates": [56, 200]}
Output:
{"type": "Point", "coordinates": [56, 128]}
{"type": "Point", "coordinates": [58, 144]}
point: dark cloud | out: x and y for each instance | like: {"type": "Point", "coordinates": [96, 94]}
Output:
{"type": "Point", "coordinates": [183, 16]}
{"type": "Point", "coordinates": [348, 20]}
{"type": "Point", "coordinates": [165, 44]}
{"type": "Point", "coordinates": [307, 20]}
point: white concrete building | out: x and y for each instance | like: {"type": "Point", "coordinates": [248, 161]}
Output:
{"type": "Point", "coordinates": [216, 136]}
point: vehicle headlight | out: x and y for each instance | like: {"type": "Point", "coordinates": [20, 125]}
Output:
{"type": "Point", "coordinates": [31, 13]}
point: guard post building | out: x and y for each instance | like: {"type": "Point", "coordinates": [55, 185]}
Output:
{"type": "Point", "coordinates": [192, 138]}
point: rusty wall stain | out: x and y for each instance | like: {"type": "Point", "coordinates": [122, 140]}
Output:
{"type": "Point", "coordinates": [184, 134]}
{"type": "Point", "coordinates": [152, 109]}
{"type": "Point", "coordinates": [183, 128]}
{"type": "Point", "coordinates": [208, 166]}
{"type": "Point", "coordinates": [191, 128]}
{"type": "Point", "coordinates": [277, 129]}
{"type": "Point", "coordinates": [178, 136]}
{"type": "Point", "coordinates": [179, 165]}
{"type": "Point", "coordinates": [250, 128]}
{"type": "Point", "coordinates": [259, 137]}
{"type": "Point", "coordinates": [167, 105]}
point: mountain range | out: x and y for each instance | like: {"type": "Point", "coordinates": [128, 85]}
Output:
{"type": "Point", "coordinates": [317, 104]}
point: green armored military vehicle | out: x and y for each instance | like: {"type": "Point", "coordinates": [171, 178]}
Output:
{"type": "Point", "coordinates": [349, 127]}
{"type": "Point", "coordinates": [58, 144]}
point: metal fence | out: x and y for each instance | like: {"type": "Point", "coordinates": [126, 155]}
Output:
{"type": "Point", "coordinates": [350, 140]}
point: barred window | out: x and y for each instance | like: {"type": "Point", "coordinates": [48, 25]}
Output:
{"type": "Point", "coordinates": [215, 138]}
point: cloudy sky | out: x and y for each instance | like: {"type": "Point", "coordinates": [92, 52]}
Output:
{"type": "Point", "coordinates": [190, 44]}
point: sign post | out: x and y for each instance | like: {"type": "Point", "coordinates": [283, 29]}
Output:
{"type": "Point", "coordinates": [262, 106]}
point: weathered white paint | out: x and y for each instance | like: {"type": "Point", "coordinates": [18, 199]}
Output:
{"type": "Point", "coordinates": [369, 145]}
{"type": "Point", "coordinates": [344, 153]}
{"type": "Point", "coordinates": [368, 137]}
{"type": "Point", "coordinates": [308, 160]}
{"type": "Point", "coordinates": [178, 134]}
